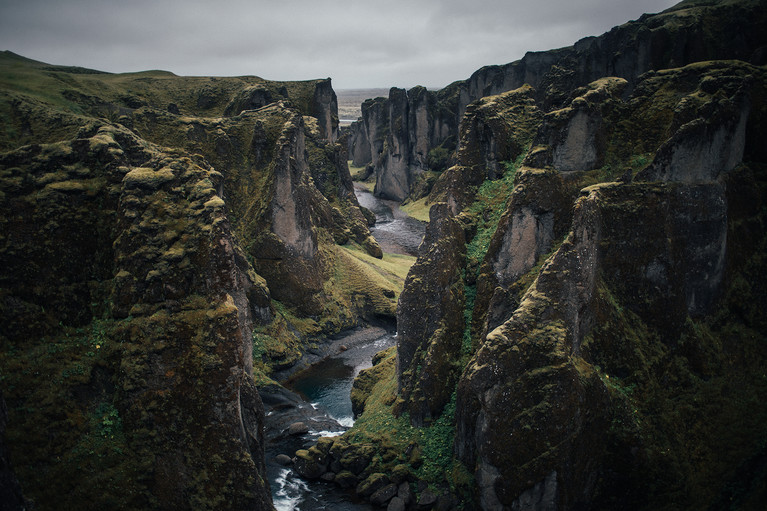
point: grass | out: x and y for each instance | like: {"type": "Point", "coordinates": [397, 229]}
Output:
{"type": "Point", "coordinates": [418, 209]}
{"type": "Point", "coordinates": [357, 173]}
{"type": "Point", "coordinates": [393, 267]}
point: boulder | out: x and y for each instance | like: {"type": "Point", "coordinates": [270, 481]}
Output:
{"type": "Point", "coordinates": [298, 428]}
{"type": "Point", "coordinates": [383, 495]}
{"type": "Point", "coordinates": [372, 484]}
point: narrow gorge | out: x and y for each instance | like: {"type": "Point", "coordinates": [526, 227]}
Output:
{"type": "Point", "coordinates": [542, 287]}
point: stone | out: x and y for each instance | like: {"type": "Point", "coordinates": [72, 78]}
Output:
{"type": "Point", "coordinates": [383, 495]}
{"type": "Point", "coordinates": [405, 492]}
{"type": "Point", "coordinates": [396, 504]}
{"type": "Point", "coordinates": [346, 479]}
{"type": "Point", "coordinates": [307, 466]}
{"type": "Point", "coordinates": [372, 484]}
{"type": "Point", "coordinates": [298, 428]}
{"type": "Point", "coordinates": [427, 500]}
{"type": "Point", "coordinates": [283, 459]}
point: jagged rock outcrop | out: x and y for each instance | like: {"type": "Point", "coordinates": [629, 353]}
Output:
{"type": "Point", "coordinates": [276, 153]}
{"type": "Point", "coordinates": [673, 38]}
{"type": "Point", "coordinates": [324, 108]}
{"type": "Point", "coordinates": [536, 356]}
{"type": "Point", "coordinates": [497, 129]}
{"type": "Point", "coordinates": [495, 132]}
{"type": "Point", "coordinates": [710, 131]}
{"type": "Point", "coordinates": [368, 133]}
{"type": "Point", "coordinates": [10, 490]}
{"type": "Point", "coordinates": [538, 215]}
{"type": "Point", "coordinates": [576, 137]}
{"type": "Point", "coordinates": [358, 146]}
{"type": "Point", "coordinates": [169, 366]}
{"type": "Point", "coordinates": [526, 400]}
{"type": "Point", "coordinates": [253, 98]}
{"type": "Point", "coordinates": [395, 183]}
{"type": "Point", "coordinates": [430, 319]}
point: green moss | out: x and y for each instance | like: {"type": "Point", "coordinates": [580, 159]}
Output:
{"type": "Point", "coordinates": [692, 404]}
{"type": "Point", "coordinates": [418, 209]}
{"type": "Point", "coordinates": [486, 211]}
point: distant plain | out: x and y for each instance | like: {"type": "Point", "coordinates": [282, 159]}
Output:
{"type": "Point", "coordinates": [350, 102]}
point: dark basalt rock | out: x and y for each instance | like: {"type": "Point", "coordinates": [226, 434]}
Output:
{"type": "Point", "coordinates": [10, 490]}
{"type": "Point", "coordinates": [430, 319]}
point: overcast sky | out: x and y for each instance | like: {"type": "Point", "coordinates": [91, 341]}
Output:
{"type": "Point", "coordinates": [357, 43]}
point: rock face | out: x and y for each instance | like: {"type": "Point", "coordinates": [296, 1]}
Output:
{"type": "Point", "coordinates": [324, 107]}
{"type": "Point", "coordinates": [10, 490]}
{"type": "Point", "coordinates": [538, 215]}
{"type": "Point", "coordinates": [654, 42]}
{"type": "Point", "coordinates": [174, 320]}
{"type": "Point", "coordinates": [604, 299]}
{"type": "Point", "coordinates": [142, 250]}
{"type": "Point", "coordinates": [430, 319]}
{"type": "Point", "coordinates": [540, 344]}
{"type": "Point", "coordinates": [575, 137]}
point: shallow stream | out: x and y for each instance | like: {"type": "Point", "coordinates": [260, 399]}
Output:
{"type": "Point", "coordinates": [319, 395]}
{"type": "Point", "coordinates": [395, 231]}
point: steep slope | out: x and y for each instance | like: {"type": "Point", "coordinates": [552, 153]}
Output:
{"type": "Point", "coordinates": [408, 134]}
{"type": "Point", "coordinates": [564, 403]}
{"type": "Point", "coordinates": [122, 326]}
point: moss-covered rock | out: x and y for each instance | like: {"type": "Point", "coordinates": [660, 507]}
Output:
{"type": "Point", "coordinates": [430, 319]}
{"type": "Point", "coordinates": [537, 354]}
{"type": "Point", "coordinates": [365, 381]}
{"type": "Point", "coordinates": [687, 33]}
{"type": "Point", "coordinates": [576, 137]}
{"type": "Point", "coordinates": [143, 377]}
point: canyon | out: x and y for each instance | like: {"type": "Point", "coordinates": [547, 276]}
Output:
{"type": "Point", "coordinates": [581, 327]}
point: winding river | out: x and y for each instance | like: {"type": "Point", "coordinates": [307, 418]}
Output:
{"type": "Point", "coordinates": [318, 397]}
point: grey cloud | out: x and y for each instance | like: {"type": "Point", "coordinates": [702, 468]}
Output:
{"type": "Point", "coordinates": [358, 43]}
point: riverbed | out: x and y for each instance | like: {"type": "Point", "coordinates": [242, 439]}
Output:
{"type": "Point", "coordinates": [395, 231]}
{"type": "Point", "coordinates": [315, 393]}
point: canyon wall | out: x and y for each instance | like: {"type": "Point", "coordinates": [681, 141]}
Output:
{"type": "Point", "coordinates": [416, 123]}
{"type": "Point", "coordinates": [164, 241]}
{"type": "Point", "coordinates": [604, 294]}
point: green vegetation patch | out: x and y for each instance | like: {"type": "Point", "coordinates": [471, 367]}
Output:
{"type": "Point", "coordinates": [65, 382]}
{"type": "Point", "coordinates": [426, 453]}
{"type": "Point", "coordinates": [489, 205]}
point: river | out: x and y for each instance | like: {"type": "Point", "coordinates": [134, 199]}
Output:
{"type": "Point", "coordinates": [395, 231]}
{"type": "Point", "coordinates": [318, 396]}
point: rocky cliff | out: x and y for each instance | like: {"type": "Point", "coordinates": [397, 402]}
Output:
{"type": "Point", "coordinates": [164, 239]}
{"type": "Point", "coordinates": [689, 32]}
{"type": "Point", "coordinates": [585, 346]}
{"type": "Point", "coordinates": [595, 273]}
